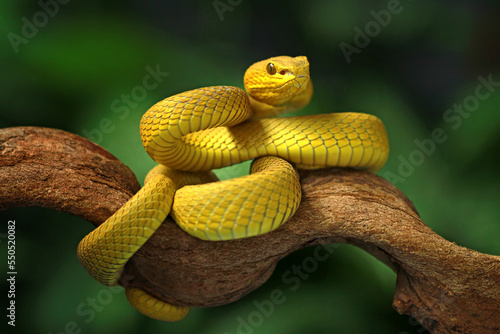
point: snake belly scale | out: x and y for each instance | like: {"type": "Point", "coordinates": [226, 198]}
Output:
{"type": "Point", "coordinates": [193, 132]}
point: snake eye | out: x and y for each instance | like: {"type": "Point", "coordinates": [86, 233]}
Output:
{"type": "Point", "coordinates": [271, 69]}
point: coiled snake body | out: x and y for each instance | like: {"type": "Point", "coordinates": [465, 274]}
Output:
{"type": "Point", "coordinates": [190, 133]}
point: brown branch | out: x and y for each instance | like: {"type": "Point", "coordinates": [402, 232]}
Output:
{"type": "Point", "coordinates": [448, 288]}
{"type": "Point", "coordinates": [56, 169]}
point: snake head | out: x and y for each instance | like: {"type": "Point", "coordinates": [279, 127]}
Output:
{"type": "Point", "coordinates": [278, 80]}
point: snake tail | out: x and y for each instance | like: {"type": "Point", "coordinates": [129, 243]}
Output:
{"type": "Point", "coordinates": [153, 307]}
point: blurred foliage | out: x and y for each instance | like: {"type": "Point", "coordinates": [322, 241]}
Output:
{"type": "Point", "coordinates": [75, 70]}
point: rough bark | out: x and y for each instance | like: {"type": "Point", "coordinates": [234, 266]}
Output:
{"type": "Point", "coordinates": [447, 288]}
{"type": "Point", "coordinates": [56, 169]}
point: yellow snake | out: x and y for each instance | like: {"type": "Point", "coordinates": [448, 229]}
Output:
{"type": "Point", "coordinates": [193, 132]}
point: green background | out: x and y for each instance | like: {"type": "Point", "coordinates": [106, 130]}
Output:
{"type": "Point", "coordinates": [72, 73]}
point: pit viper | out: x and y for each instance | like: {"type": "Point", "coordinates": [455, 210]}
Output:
{"type": "Point", "coordinates": [193, 132]}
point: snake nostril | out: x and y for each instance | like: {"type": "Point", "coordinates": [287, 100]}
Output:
{"type": "Point", "coordinates": [283, 72]}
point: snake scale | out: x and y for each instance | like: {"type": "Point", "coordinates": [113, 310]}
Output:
{"type": "Point", "coordinates": [193, 132]}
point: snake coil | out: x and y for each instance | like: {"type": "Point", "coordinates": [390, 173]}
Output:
{"type": "Point", "coordinates": [191, 133]}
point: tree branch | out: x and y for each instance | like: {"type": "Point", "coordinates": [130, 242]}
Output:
{"type": "Point", "coordinates": [56, 169]}
{"type": "Point", "coordinates": [447, 288]}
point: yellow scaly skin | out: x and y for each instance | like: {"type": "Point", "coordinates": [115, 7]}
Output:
{"type": "Point", "coordinates": [190, 133]}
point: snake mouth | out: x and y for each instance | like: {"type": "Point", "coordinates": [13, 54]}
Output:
{"type": "Point", "coordinates": [287, 90]}
{"type": "Point", "coordinates": [301, 81]}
